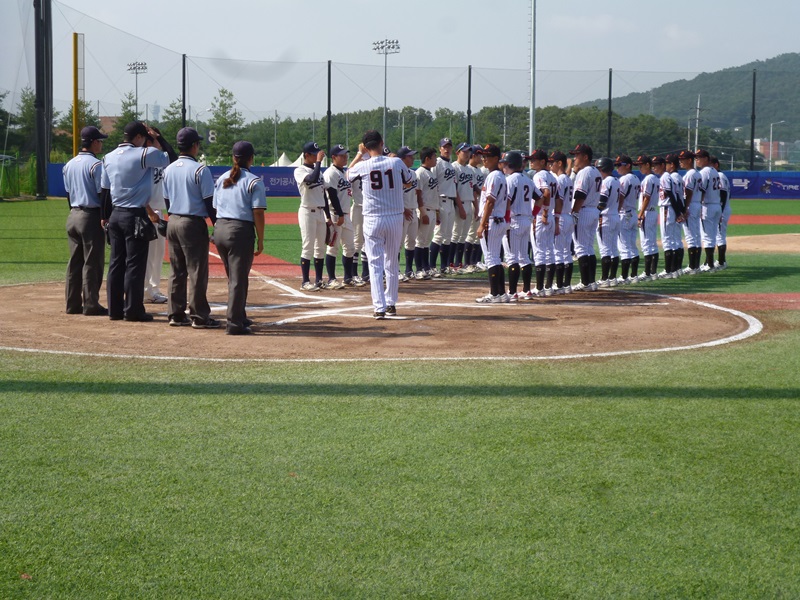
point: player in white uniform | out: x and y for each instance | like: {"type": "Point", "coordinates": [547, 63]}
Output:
{"type": "Point", "coordinates": [608, 224]}
{"type": "Point", "coordinates": [629, 188]}
{"type": "Point", "coordinates": [711, 210]}
{"type": "Point", "coordinates": [358, 223]}
{"type": "Point", "coordinates": [648, 218]}
{"type": "Point", "coordinates": [691, 226]}
{"type": "Point", "coordinates": [544, 227]}
{"type": "Point", "coordinates": [521, 193]}
{"type": "Point", "coordinates": [585, 215]}
{"type": "Point", "coordinates": [412, 201]}
{"type": "Point", "coordinates": [566, 226]}
{"type": "Point", "coordinates": [671, 211]}
{"type": "Point", "coordinates": [383, 179]}
{"type": "Point", "coordinates": [428, 212]}
{"type": "Point", "coordinates": [338, 191]}
{"type": "Point", "coordinates": [472, 248]}
{"type": "Point", "coordinates": [725, 203]}
{"type": "Point", "coordinates": [466, 195]}
{"type": "Point", "coordinates": [449, 205]}
{"type": "Point", "coordinates": [311, 214]}
{"type": "Point", "coordinates": [493, 226]}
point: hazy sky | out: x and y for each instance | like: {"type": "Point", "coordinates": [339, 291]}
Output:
{"type": "Point", "coordinates": [289, 42]}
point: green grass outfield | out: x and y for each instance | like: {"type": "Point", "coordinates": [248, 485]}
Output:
{"type": "Point", "coordinates": [659, 476]}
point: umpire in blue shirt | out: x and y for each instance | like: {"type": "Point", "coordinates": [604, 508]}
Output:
{"type": "Point", "coordinates": [189, 194]}
{"type": "Point", "coordinates": [87, 258]}
{"type": "Point", "coordinates": [126, 187]}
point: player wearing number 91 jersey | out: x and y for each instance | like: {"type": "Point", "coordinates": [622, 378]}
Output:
{"type": "Point", "coordinates": [383, 179]}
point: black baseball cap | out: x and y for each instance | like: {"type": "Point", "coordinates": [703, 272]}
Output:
{"type": "Point", "coordinates": [643, 160]}
{"type": "Point", "coordinates": [537, 155]}
{"type": "Point", "coordinates": [464, 147]}
{"type": "Point", "coordinates": [135, 128]}
{"type": "Point", "coordinates": [405, 151]}
{"type": "Point", "coordinates": [188, 136]}
{"type": "Point", "coordinates": [243, 149]}
{"type": "Point", "coordinates": [444, 142]}
{"type": "Point", "coordinates": [338, 150]}
{"type": "Point", "coordinates": [658, 160]}
{"type": "Point", "coordinates": [582, 149]}
{"type": "Point", "coordinates": [623, 159]}
{"type": "Point", "coordinates": [386, 151]}
{"type": "Point", "coordinates": [556, 156]}
{"type": "Point", "coordinates": [702, 154]}
{"type": "Point", "coordinates": [685, 155]}
{"type": "Point", "coordinates": [311, 148]}
{"type": "Point", "coordinates": [672, 158]}
{"type": "Point", "coordinates": [490, 150]}
{"type": "Point", "coordinates": [91, 133]}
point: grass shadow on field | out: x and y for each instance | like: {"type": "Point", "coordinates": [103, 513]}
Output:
{"type": "Point", "coordinates": [382, 391]}
{"type": "Point", "coordinates": [723, 280]}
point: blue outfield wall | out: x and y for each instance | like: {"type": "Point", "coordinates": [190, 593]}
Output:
{"type": "Point", "coordinates": [279, 181]}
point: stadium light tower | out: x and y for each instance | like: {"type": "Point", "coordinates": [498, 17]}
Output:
{"type": "Point", "coordinates": [385, 47]}
{"type": "Point", "coordinates": [136, 68]}
{"type": "Point", "coordinates": [770, 142]}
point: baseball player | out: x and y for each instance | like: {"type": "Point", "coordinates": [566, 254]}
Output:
{"type": "Point", "coordinates": [522, 193]}
{"type": "Point", "coordinates": [671, 210]}
{"type": "Point", "coordinates": [466, 196]}
{"type": "Point", "coordinates": [493, 226]}
{"type": "Point", "coordinates": [338, 190]}
{"type": "Point", "coordinates": [189, 194]}
{"type": "Point", "coordinates": [127, 180]}
{"type": "Point", "coordinates": [608, 223]}
{"type": "Point", "coordinates": [566, 226]}
{"type": "Point", "coordinates": [357, 219]}
{"type": "Point", "coordinates": [691, 225]}
{"type": "Point", "coordinates": [428, 212]}
{"type": "Point", "coordinates": [311, 215]}
{"type": "Point", "coordinates": [472, 247]}
{"type": "Point", "coordinates": [629, 190]}
{"type": "Point", "coordinates": [711, 210]}
{"type": "Point", "coordinates": [412, 202]}
{"type": "Point", "coordinates": [725, 203]}
{"type": "Point", "coordinates": [383, 179]}
{"type": "Point", "coordinates": [155, 252]}
{"type": "Point", "coordinates": [240, 201]}
{"type": "Point", "coordinates": [545, 226]}
{"type": "Point", "coordinates": [585, 215]}
{"type": "Point", "coordinates": [648, 219]}
{"type": "Point", "coordinates": [449, 205]}
{"type": "Point", "coordinates": [82, 177]}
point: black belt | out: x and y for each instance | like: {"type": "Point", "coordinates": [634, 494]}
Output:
{"type": "Point", "coordinates": [86, 208]}
{"type": "Point", "coordinates": [127, 209]}
{"type": "Point", "coordinates": [453, 198]}
{"type": "Point", "coordinates": [498, 220]}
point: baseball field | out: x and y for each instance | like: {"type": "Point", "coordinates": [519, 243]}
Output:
{"type": "Point", "coordinates": [454, 473]}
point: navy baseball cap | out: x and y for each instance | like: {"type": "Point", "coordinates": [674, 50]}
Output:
{"type": "Point", "coordinates": [476, 149]}
{"type": "Point", "coordinates": [464, 147]}
{"type": "Point", "coordinates": [622, 160]}
{"type": "Point", "coordinates": [685, 155]}
{"type": "Point", "coordinates": [405, 151]}
{"type": "Point", "coordinates": [243, 149]}
{"type": "Point", "coordinates": [135, 128]}
{"type": "Point", "coordinates": [386, 151]}
{"type": "Point", "coordinates": [582, 149]}
{"type": "Point", "coordinates": [188, 136]}
{"type": "Point", "coordinates": [92, 133]}
{"type": "Point", "coordinates": [311, 148]}
{"type": "Point", "coordinates": [338, 150]}
{"type": "Point", "coordinates": [444, 142]}
{"type": "Point", "coordinates": [490, 150]}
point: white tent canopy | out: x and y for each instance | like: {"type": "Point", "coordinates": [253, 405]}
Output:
{"type": "Point", "coordinates": [283, 161]}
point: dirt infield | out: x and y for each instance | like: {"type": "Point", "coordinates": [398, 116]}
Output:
{"type": "Point", "coordinates": [783, 243]}
{"type": "Point", "coordinates": [436, 320]}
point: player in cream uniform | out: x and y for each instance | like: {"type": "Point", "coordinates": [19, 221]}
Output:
{"type": "Point", "coordinates": [691, 226]}
{"type": "Point", "coordinates": [670, 209]}
{"type": "Point", "coordinates": [711, 210]}
{"type": "Point", "coordinates": [725, 203]}
{"type": "Point", "coordinates": [311, 214]}
{"type": "Point", "coordinates": [472, 247]}
{"type": "Point", "coordinates": [466, 195]}
{"type": "Point", "coordinates": [357, 219]}
{"type": "Point", "coordinates": [429, 189]}
{"type": "Point", "coordinates": [449, 205]}
{"type": "Point", "coordinates": [629, 190]}
{"type": "Point", "coordinates": [648, 218]}
{"type": "Point", "coordinates": [608, 223]}
{"type": "Point", "coordinates": [585, 200]}
{"type": "Point", "coordinates": [522, 193]}
{"type": "Point", "coordinates": [412, 202]}
{"type": "Point", "coordinates": [566, 226]}
{"type": "Point", "coordinates": [493, 226]}
{"type": "Point", "coordinates": [544, 227]}
{"type": "Point", "coordinates": [339, 191]}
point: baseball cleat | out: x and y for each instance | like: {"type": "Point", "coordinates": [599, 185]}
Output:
{"type": "Point", "coordinates": [309, 287]}
{"type": "Point", "coordinates": [207, 324]}
{"type": "Point", "coordinates": [592, 287]}
{"type": "Point", "coordinates": [468, 269]}
{"type": "Point", "coordinates": [567, 289]}
{"type": "Point", "coordinates": [391, 310]}
{"type": "Point", "coordinates": [173, 322]}
{"type": "Point", "coordinates": [720, 266]}
{"type": "Point", "coordinates": [158, 298]}
{"type": "Point", "coordinates": [379, 314]}
{"type": "Point", "coordinates": [612, 282]}
{"type": "Point", "coordinates": [547, 292]}
{"type": "Point", "coordinates": [579, 287]}
{"type": "Point", "coordinates": [402, 278]}
{"type": "Point", "coordinates": [424, 275]}
{"type": "Point", "coordinates": [489, 299]}
{"type": "Point", "coordinates": [335, 284]}
{"type": "Point", "coordinates": [663, 275]}
{"type": "Point", "coordinates": [706, 269]}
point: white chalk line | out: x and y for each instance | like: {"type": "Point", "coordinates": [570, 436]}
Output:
{"type": "Point", "coordinates": [754, 327]}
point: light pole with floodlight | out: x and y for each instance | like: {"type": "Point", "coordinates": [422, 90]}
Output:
{"type": "Point", "coordinates": [386, 47]}
{"type": "Point", "coordinates": [136, 68]}
{"type": "Point", "coordinates": [770, 142]}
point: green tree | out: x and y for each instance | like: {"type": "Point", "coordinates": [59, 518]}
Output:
{"type": "Point", "coordinates": [225, 127]}
{"type": "Point", "coordinates": [127, 115]}
{"type": "Point", "coordinates": [172, 121]}
{"type": "Point", "coordinates": [26, 119]}
{"type": "Point", "coordinates": [62, 141]}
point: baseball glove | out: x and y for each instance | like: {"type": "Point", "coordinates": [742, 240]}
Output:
{"type": "Point", "coordinates": [161, 226]}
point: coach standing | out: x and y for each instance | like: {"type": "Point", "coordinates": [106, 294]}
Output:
{"type": "Point", "coordinates": [189, 193]}
{"type": "Point", "coordinates": [127, 184]}
{"type": "Point", "coordinates": [82, 177]}
{"type": "Point", "coordinates": [383, 179]}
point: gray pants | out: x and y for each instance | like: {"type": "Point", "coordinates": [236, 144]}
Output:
{"type": "Point", "coordinates": [188, 257]}
{"type": "Point", "coordinates": [86, 259]}
{"type": "Point", "coordinates": [235, 241]}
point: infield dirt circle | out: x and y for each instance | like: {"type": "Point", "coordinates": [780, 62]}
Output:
{"type": "Point", "coordinates": [436, 319]}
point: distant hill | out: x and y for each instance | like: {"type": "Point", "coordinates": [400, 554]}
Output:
{"type": "Point", "coordinates": [726, 98]}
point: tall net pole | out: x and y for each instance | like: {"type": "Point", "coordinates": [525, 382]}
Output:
{"type": "Point", "coordinates": [532, 112]}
